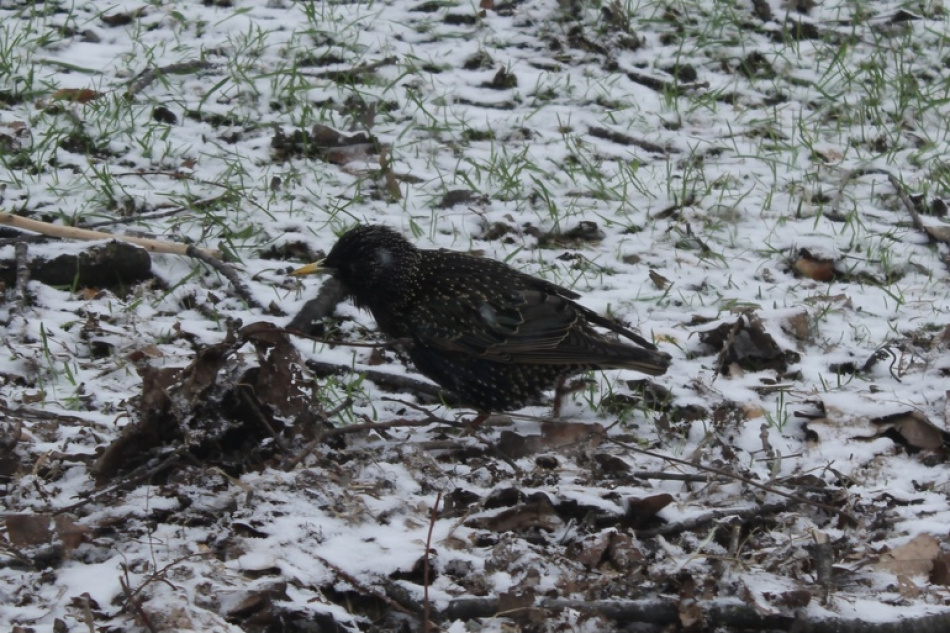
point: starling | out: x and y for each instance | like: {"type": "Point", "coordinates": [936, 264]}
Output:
{"type": "Point", "coordinates": [492, 336]}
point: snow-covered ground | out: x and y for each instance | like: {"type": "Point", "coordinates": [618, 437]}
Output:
{"type": "Point", "coordinates": [772, 169]}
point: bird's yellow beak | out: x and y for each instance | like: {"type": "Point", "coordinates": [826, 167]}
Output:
{"type": "Point", "coordinates": [315, 268]}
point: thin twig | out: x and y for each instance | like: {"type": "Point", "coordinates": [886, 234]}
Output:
{"type": "Point", "coordinates": [749, 482]}
{"type": "Point", "coordinates": [149, 75]}
{"type": "Point", "coordinates": [692, 523]}
{"type": "Point", "coordinates": [334, 342]}
{"type": "Point", "coordinates": [136, 476]}
{"type": "Point", "coordinates": [228, 272]}
{"type": "Point", "coordinates": [247, 396]}
{"type": "Point", "coordinates": [364, 588]}
{"type": "Point", "coordinates": [71, 232]}
{"type": "Point", "coordinates": [685, 477]}
{"type": "Point", "coordinates": [140, 614]}
{"type": "Point", "coordinates": [375, 426]}
{"type": "Point", "coordinates": [157, 215]}
{"type": "Point", "coordinates": [21, 252]}
{"type": "Point", "coordinates": [355, 70]}
{"type": "Point", "coordinates": [427, 607]}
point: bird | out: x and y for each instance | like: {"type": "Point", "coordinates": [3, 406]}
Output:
{"type": "Point", "coordinates": [492, 336]}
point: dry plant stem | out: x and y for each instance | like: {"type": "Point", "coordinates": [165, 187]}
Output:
{"type": "Point", "coordinates": [363, 588]}
{"type": "Point", "coordinates": [130, 599]}
{"type": "Point", "coordinates": [823, 555]}
{"type": "Point", "coordinates": [696, 522]}
{"type": "Point", "coordinates": [427, 607]}
{"type": "Point", "coordinates": [749, 482]}
{"type": "Point", "coordinates": [352, 428]}
{"type": "Point", "coordinates": [685, 477]}
{"type": "Point", "coordinates": [333, 342]}
{"type": "Point", "coordinates": [140, 474]}
{"type": "Point", "coordinates": [157, 215]}
{"type": "Point", "coordinates": [87, 614]}
{"type": "Point", "coordinates": [323, 417]}
{"type": "Point", "coordinates": [355, 70]}
{"type": "Point", "coordinates": [489, 446]}
{"type": "Point", "coordinates": [69, 232]}
{"type": "Point", "coordinates": [392, 186]}
{"type": "Point", "coordinates": [430, 417]}
{"type": "Point", "coordinates": [159, 574]}
{"type": "Point", "coordinates": [251, 402]}
{"type": "Point", "coordinates": [375, 426]}
{"type": "Point", "coordinates": [624, 139]}
{"type": "Point", "coordinates": [391, 381]}
{"type": "Point", "coordinates": [146, 77]}
{"type": "Point", "coordinates": [716, 615]}
{"type": "Point", "coordinates": [21, 251]}
{"type": "Point", "coordinates": [895, 182]}
{"type": "Point", "coordinates": [228, 272]}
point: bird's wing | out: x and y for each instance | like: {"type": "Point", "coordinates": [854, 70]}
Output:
{"type": "Point", "coordinates": [528, 326]}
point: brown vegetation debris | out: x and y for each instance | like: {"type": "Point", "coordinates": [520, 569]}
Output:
{"type": "Point", "coordinates": [813, 267]}
{"type": "Point", "coordinates": [914, 430]}
{"type": "Point", "coordinates": [746, 344]}
{"type": "Point", "coordinates": [323, 143]}
{"type": "Point", "coordinates": [209, 405]}
{"type": "Point", "coordinates": [115, 265]}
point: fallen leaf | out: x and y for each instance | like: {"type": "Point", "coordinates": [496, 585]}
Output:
{"type": "Point", "coordinates": [914, 558]}
{"type": "Point", "coordinates": [812, 267]}
{"type": "Point", "coordinates": [77, 95]}
{"type": "Point", "coordinates": [915, 429]}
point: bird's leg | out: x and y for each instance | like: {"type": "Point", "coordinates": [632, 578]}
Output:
{"type": "Point", "coordinates": [563, 388]}
{"type": "Point", "coordinates": [476, 422]}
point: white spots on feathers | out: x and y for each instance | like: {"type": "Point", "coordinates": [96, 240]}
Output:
{"type": "Point", "coordinates": [488, 314]}
{"type": "Point", "coordinates": [384, 257]}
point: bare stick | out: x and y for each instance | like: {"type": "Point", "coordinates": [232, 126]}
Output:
{"type": "Point", "coordinates": [355, 70]}
{"type": "Point", "coordinates": [227, 270]}
{"type": "Point", "coordinates": [22, 274]}
{"type": "Point", "coordinates": [749, 482]}
{"type": "Point", "coordinates": [364, 588]}
{"type": "Point", "coordinates": [427, 607]}
{"type": "Point", "coordinates": [69, 232]}
{"type": "Point", "coordinates": [149, 75]}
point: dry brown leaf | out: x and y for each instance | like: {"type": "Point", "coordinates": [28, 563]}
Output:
{"type": "Point", "coordinates": [33, 397]}
{"type": "Point", "coordinates": [557, 435]}
{"type": "Point", "coordinates": [914, 428]}
{"type": "Point", "coordinates": [817, 268]}
{"type": "Point", "coordinates": [25, 530]}
{"type": "Point", "coordinates": [940, 575]}
{"type": "Point", "coordinates": [797, 326]}
{"type": "Point", "coordinates": [642, 512]}
{"type": "Point", "coordinates": [938, 233]}
{"type": "Point", "coordinates": [77, 95]}
{"type": "Point", "coordinates": [538, 514]}
{"type": "Point", "coordinates": [589, 551]}
{"type": "Point", "coordinates": [914, 558]}
{"type": "Point", "coordinates": [659, 280]}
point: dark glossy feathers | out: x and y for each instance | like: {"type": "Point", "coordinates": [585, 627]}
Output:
{"type": "Point", "coordinates": [494, 336]}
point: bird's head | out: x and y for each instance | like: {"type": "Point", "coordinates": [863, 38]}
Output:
{"type": "Point", "coordinates": [371, 261]}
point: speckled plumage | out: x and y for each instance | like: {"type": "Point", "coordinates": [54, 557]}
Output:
{"type": "Point", "coordinates": [491, 335]}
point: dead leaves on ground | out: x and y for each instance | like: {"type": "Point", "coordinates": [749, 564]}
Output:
{"type": "Point", "coordinates": [910, 429]}
{"type": "Point", "coordinates": [214, 404]}
{"type": "Point", "coordinates": [745, 345]}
